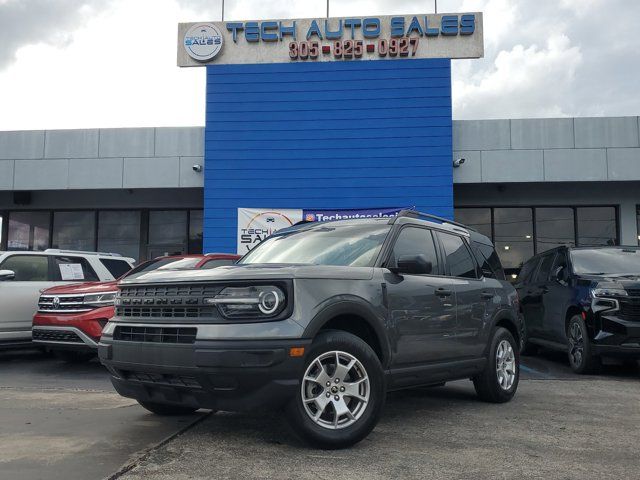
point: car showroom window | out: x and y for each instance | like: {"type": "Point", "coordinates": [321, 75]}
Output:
{"type": "Point", "coordinates": [545, 268]}
{"type": "Point", "coordinates": [28, 268]}
{"type": "Point", "coordinates": [415, 241]}
{"type": "Point", "coordinates": [73, 269]}
{"type": "Point", "coordinates": [117, 268]}
{"type": "Point", "coordinates": [458, 258]}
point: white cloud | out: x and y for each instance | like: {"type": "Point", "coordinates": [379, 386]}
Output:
{"type": "Point", "coordinates": [111, 63]}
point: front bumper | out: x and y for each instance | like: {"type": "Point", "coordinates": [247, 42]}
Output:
{"type": "Point", "coordinates": [231, 375]}
{"type": "Point", "coordinates": [614, 334]}
{"type": "Point", "coordinates": [79, 331]}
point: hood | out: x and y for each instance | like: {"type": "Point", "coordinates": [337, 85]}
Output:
{"type": "Point", "coordinates": [254, 272]}
{"type": "Point", "coordinates": [630, 281]}
{"type": "Point", "coordinates": [82, 288]}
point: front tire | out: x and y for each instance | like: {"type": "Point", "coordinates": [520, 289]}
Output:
{"type": "Point", "coordinates": [167, 410]}
{"type": "Point", "coordinates": [579, 349]}
{"type": "Point", "coordinates": [342, 392]}
{"type": "Point", "coordinates": [499, 380]}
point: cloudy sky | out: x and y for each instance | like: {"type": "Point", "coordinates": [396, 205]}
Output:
{"type": "Point", "coordinates": [111, 63]}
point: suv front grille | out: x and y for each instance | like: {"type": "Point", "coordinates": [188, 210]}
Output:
{"type": "Point", "coordinates": [161, 378]}
{"type": "Point", "coordinates": [125, 333]}
{"type": "Point", "coordinates": [630, 308]}
{"type": "Point", "coordinates": [62, 304]}
{"type": "Point", "coordinates": [56, 336]}
{"type": "Point", "coordinates": [170, 302]}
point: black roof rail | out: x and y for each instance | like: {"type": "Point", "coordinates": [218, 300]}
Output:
{"type": "Point", "coordinates": [427, 216]}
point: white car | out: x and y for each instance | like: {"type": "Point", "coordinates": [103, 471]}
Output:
{"type": "Point", "coordinates": [23, 275]}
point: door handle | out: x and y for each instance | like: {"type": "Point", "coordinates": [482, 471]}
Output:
{"type": "Point", "coordinates": [487, 295]}
{"type": "Point", "coordinates": [441, 292]}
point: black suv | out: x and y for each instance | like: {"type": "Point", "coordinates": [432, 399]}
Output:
{"type": "Point", "coordinates": [583, 300]}
{"type": "Point", "coordinates": [322, 319]}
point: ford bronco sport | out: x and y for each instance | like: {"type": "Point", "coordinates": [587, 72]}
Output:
{"type": "Point", "coordinates": [322, 319]}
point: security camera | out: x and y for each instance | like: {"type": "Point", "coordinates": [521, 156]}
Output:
{"type": "Point", "coordinates": [197, 168]}
{"type": "Point", "coordinates": [458, 162]}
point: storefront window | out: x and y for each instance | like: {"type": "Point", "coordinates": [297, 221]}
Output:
{"type": "Point", "coordinates": [195, 231]}
{"type": "Point", "coordinates": [28, 231]}
{"type": "Point", "coordinates": [1, 230]}
{"type": "Point", "coordinates": [597, 226]}
{"type": "Point", "coordinates": [74, 230]}
{"type": "Point", "coordinates": [168, 228]}
{"type": "Point", "coordinates": [119, 232]}
{"type": "Point", "coordinates": [513, 228]}
{"type": "Point", "coordinates": [476, 218]}
{"type": "Point", "coordinates": [638, 223]}
{"type": "Point", "coordinates": [554, 227]}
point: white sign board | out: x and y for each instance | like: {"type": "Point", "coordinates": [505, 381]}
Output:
{"type": "Point", "coordinates": [309, 40]}
{"type": "Point", "coordinates": [71, 271]}
{"type": "Point", "coordinates": [255, 224]}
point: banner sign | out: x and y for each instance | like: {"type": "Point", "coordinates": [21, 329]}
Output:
{"type": "Point", "coordinates": [328, 215]}
{"type": "Point", "coordinates": [255, 224]}
{"type": "Point", "coordinates": [331, 39]}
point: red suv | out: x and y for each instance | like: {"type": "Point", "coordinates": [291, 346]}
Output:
{"type": "Point", "coordinates": [70, 318]}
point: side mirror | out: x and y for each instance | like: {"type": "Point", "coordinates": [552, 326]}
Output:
{"type": "Point", "coordinates": [413, 264]}
{"type": "Point", "coordinates": [7, 275]}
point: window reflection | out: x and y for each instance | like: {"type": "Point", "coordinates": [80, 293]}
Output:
{"type": "Point", "coordinates": [477, 218]}
{"type": "Point", "coordinates": [74, 230]}
{"type": "Point", "coordinates": [513, 229]}
{"type": "Point", "coordinates": [28, 231]}
{"type": "Point", "coordinates": [597, 226]}
{"type": "Point", "coordinates": [119, 232]}
{"type": "Point", "coordinates": [554, 228]}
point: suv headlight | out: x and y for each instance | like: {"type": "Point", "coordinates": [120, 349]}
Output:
{"type": "Point", "coordinates": [608, 292]}
{"type": "Point", "coordinates": [249, 302]}
{"type": "Point", "coordinates": [100, 299]}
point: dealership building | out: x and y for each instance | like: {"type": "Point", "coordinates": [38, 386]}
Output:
{"type": "Point", "coordinates": [331, 133]}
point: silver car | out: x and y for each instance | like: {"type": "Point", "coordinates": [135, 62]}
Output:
{"type": "Point", "coordinates": [23, 275]}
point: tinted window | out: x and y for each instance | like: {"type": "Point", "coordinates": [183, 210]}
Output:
{"type": "Point", "coordinates": [554, 228]}
{"type": "Point", "coordinates": [489, 261]}
{"type": "Point", "coordinates": [117, 268]}
{"type": "Point", "coordinates": [458, 258]}
{"type": "Point", "coordinates": [220, 262]}
{"type": "Point", "coordinates": [28, 231]}
{"type": "Point", "coordinates": [73, 269]}
{"type": "Point", "coordinates": [560, 261]}
{"type": "Point", "coordinates": [168, 227]}
{"type": "Point", "coordinates": [477, 218]}
{"type": "Point", "coordinates": [415, 241]}
{"type": "Point", "coordinates": [195, 231]}
{"type": "Point", "coordinates": [355, 245]}
{"type": "Point", "coordinates": [74, 231]}
{"type": "Point", "coordinates": [597, 226]}
{"type": "Point", "coordinates": [513, 236]}
{"type": "Point", "coordinates": [606, 261]}
{"type": "Point", "coordinates": [545, 268]}
{"type": "Point", "coordinates": [28, 268]}
{"type": "Point", "coordinates": [119, 232]}
{"type": "Point", "coordinates": [527, 271]}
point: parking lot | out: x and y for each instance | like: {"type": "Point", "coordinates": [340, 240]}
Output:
{"type": "Point", "coordinates": [64, 421]}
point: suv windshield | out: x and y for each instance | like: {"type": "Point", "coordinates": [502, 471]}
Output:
{"type": "Point", "coordinates": [606, 261]}
{"type": "Point", "coordinates": [346, 245]}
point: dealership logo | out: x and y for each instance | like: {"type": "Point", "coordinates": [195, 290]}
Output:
{"type": "Point", "coordinates": [203, 42]}
{"type": "Point", "coordinates": [310, 217]}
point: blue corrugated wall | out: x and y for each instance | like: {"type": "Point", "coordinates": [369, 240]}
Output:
{"type": "Point", "coordinates": [326, 135]}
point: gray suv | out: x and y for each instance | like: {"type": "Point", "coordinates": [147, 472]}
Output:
{"type": "Point", "coordinates": [321, 319]}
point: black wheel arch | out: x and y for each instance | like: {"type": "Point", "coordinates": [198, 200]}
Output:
{"type": "Point", "coordinates": [356, 317]}
{"type": "Point", "coordinates": [507, 319]}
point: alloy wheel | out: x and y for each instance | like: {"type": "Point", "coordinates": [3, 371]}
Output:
{"type": "Point", "coordinates": [576, 344]}
{"type": "Point", "coordinates": [505, 365]}
{"type": "Point", "coordinates": [335, 390]}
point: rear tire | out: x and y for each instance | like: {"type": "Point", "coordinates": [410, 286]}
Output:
{"type": "Point", "coordinates": [499, 380]}
{"type": "Point", "coordinates": [342, 392]}
{"type": "Point", "coordinates": [579, 349]}
{"type": "Point", "coordinates": [167, 410]}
